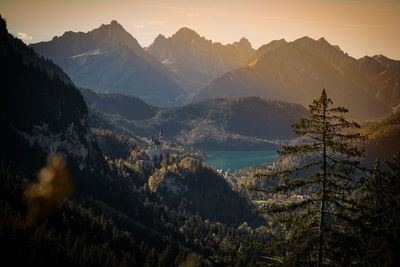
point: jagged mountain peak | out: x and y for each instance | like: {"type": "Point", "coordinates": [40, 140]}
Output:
{"type": "Point", "coordinates": [72, 43]}
{"type": "Point", "coordinates": [265, 49]}
{"type": "Point", "coordinates": [244, 40]}
{"type": "Point", "coordinates": [114, 30]}
{"type": "Point", "coordinates": [185, 34]}
{"type": "Point", "coordinates": [196, 60]}
{"type": "Point", "coordinates": [109, 59]}
{"type": "Point", "coordinates": [306, 42]}
{"type": "Point", "coordinates": [69, 35]}
{"type": "Point", "coordinates": [272, 45]}
{"type": "Point", "coordinates": [323, 40]}
{"type": "Point", "coordinates": [369, 65]}
{"type": "Point", "coordinates": [160, 37]}
{"type": "Point", "coordinates": [113, 27]}
{"type": "Point", "coordinates": [380, 56]}
{"type": "Point", "coordinates": [186, 31]}
{"type": "Point", "coordinates": [114, 22]}
{"type": "Point", "coordinates": [385, 61]}
{"type": "Point", "coordinates": [304, 39]}
{"type": "Point", "coordinates": [243, 43]}
{"type": "Point", "coordinates": [320, 47]}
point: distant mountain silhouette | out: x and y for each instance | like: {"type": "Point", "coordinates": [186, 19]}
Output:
{"type": "Point", "coordinates": [130, 107]}
{"type": "Point", "coordinates": [196, 60]}
{"type": "Point", "coordinates": [109, 60]}
{"type": "Point", "coordinates": [297, 71]}
{"type": "Point", "coordinates": [384, 74]}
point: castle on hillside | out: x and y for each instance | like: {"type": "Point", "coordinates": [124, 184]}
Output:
{"type": "Point", "coordinates": [156, 148]}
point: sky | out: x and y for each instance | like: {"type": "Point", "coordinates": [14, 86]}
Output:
{"type": "Point", "coordinates": [359, 27]}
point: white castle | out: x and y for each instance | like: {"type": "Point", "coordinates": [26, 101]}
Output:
{"type": "Point", "coordinates": [156, 148]}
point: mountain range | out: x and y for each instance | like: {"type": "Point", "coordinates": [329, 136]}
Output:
{"type": "Point", "coordinates": [187, 68]}
{"type": "Point", "coordinates": [297, 71]}
{"type": "Point", "coordinates": [197, 61]}
{"type": "Point", "coordinates": [109, 60]}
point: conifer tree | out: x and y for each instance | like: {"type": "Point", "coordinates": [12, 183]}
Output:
{"type": "Point", "coordinates": [326, 181]}
{"type": "Point", "coordinates": [376, 221]}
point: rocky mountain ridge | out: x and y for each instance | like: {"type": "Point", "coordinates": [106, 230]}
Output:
{"type": "Point", "coordinates": [197, 61]}
{"type": "Point", "coordinates": [109, 60]}
{"type": "Point", "coordinates": [297, 71]}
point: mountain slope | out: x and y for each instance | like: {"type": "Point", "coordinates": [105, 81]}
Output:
{"type": "Point", "coordinates": [130, 107]}
{"type": "Point", "coordinates": [297, 71]}
{"type": "Point", "coordinates": [248, 123]}
{"type": "Point", "coordinates": [384, 74]}
{"type": "Point", "coordinates": [108, 59]}
{"type": "Point", "coordinates": [383, 138]}
{"type": "Point", "coordinates": [196, 60]}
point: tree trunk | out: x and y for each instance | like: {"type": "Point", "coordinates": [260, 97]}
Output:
{"type": "Point", "coordinates": [321, 212]}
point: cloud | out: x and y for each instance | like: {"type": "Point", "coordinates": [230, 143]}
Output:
{"type": "Point", "coordinates": [24, 36]}
{"type": "Point", "coordinates": [139, 26]}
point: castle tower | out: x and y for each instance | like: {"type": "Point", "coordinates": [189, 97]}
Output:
{"type": "Point", "coordinates": [156, 148]}
{"type": "Point", "coordinates": [160, 137]}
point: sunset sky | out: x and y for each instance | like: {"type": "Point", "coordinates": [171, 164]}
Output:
{"type": "Point", "coordinates": [359, 27]}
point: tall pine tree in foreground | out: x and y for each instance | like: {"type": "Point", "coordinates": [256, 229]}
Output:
{"type": "Point", "coordinates": [325, 179]}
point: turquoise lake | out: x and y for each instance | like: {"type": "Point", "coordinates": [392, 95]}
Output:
{"type": "Point", "coordinates": [239, 159]}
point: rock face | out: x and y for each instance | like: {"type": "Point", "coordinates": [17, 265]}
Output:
{"type": "Point", "coordinates": [109, 60]}
{"type": "Point", "coordinates": [197, 61]}
{"type": "Point", "coordinates": [298, 71]}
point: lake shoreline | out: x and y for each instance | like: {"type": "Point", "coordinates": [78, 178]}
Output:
{"type": "Point", "coordinates": [239, 159]}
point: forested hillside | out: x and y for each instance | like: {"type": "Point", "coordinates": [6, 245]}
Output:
{"type": "Point", "coordinates": [383, 138]}
{"type": "Point", "coordinates": [247, 123]}
{"type": "Point", "coordinates": [81, 208]}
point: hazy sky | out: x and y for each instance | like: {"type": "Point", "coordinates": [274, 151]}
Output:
{"type": "Point", "coordinates": [359, 27]}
